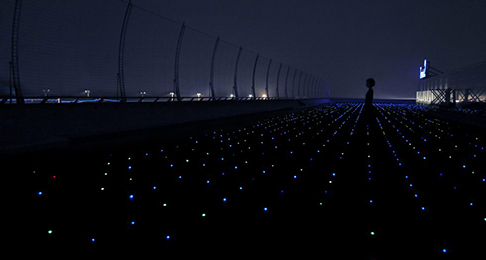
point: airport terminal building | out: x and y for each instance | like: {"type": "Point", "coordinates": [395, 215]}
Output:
{"type": "Point", "coordinates": [464, 86]}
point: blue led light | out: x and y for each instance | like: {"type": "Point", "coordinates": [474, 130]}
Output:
{"type": "Point", "coordinates": [130, 197]}
{"type": "Point", "coordinates": [129, 167]}
{"type": "Point", "coordinates": [154, 187]}
{"type": "Point", "coordinates": [224, 199]}
{"type": "Point", "coordinates": [39, 193]}
{"type": "Point", "coordinates": [423, 208]}
{"type": "Point", "coordinates": [207, 181]}
{"type": "Point", "coordinates": [92, 240]}
{"type": "Point", "coordinates": [167, 237]}
{"type": "Point", "coordinates": [265, 209]}
{"type": "Point", "coordinates": [444, 250]}
{"type": "Point", "coordinates": [132, 223]}
{"type": "Point", "coordinates": [295, 176]}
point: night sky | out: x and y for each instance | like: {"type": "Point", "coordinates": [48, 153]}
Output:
{"type": "Point", "coordinates": [345, 42]}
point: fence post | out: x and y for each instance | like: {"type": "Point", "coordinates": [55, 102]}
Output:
{"type": "Point", "coordinates": [121, 50]}
{"type": "Point", "coordinates": [328, 91]}
{"type": "Point", "coordinates": [253, 78]}
{"type": "Point", "coordinates": [312, 92]}
{"type": "Point", "coordinates": [298, 85]}
{"type": "Point", "coordinates": [305, 86]}
{"type": "Point", "coordinates": [14, 53]}
{"type": "Point", "coordinates": [293, 83]}
{"type": "Point", "coordinates": [286, 79]}
{"type": "Point", "coordinates": [211, 75]}
{"type": "Point", "coordinates": [278, 79]}
{"type": "Point", "coordinates": [176, 65]}
{"type": "Point", "coordinates": [235, 84]}
{"type": "Point", "coordinates": [268, 73]}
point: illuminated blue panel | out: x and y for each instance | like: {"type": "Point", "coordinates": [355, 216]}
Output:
{"type": "Point", "coordinates": [423, 70]}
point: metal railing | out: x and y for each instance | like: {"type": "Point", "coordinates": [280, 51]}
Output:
{"type": "Point", "coordinates": [155, 55]}
{"type": "Point", "coordinates": [78, 100]}
{"type": "Point", "coordinates": [451, 97]}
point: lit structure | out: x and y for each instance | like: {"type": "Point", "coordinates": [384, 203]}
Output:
{"type": "Point", "coordinates": [463, 86]}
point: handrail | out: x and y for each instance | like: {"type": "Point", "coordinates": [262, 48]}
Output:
{"type": "Point", "coordinates": [99, 99]}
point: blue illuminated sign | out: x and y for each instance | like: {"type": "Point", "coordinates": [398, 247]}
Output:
{"type": "Point", "coordinates": [423, 70]}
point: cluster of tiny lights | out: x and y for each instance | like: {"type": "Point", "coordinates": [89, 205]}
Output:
{"type": "Point", "coordinates": [306, 166]}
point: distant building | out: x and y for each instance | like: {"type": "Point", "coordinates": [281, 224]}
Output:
{"type": "Point", "coordinates": [461, 87]}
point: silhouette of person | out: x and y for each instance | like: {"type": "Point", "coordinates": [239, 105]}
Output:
{"type": "Point", "coordinates": [370, 83]}
{"type": "Point", "coordinates": [368, 105]}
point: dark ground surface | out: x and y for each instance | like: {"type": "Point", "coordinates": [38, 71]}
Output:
{"type": "Point", "coordinates": [280, 161]}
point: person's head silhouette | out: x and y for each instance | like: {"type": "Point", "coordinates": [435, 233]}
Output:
{"type": "Point", "coordinates": [370, 82]}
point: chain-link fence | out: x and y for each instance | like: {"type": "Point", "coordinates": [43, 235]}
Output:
{"type": "Point", "coordinates": [114, 50]}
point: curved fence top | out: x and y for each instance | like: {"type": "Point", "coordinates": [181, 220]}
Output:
{"type": "Point", "coordinates": [112, 48]}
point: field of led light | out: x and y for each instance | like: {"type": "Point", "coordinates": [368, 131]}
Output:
{"type": "Point", "coordinates": [327, 180]}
